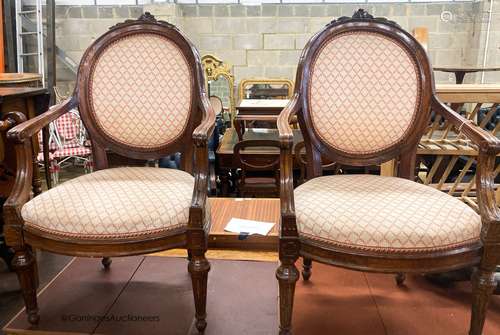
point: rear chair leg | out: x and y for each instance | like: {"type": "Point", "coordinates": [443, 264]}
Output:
{"type": "Point", "coordinates": [307, 267]}
{"type": "Point", "coordinates": [24, 263]}
{"type": "Point", "coordinates": [483, 284]}
{"type": "Point", "coordinates": [106, 262]}
{"type": "Point", "coordinates": [400, 278]}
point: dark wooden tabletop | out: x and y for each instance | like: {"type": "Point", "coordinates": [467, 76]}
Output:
{"type": "Point", "coordinates": [230, 139]}
{"type": "Point", "coordinates": [467, 69]}
{"type": "Point", "coordinates": [19, 92]}
{"type": "Point", "coordinates": [261, 106]}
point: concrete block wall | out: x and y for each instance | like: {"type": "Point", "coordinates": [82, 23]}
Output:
{"type": "Point", "coordinates": [78, 26]}
{"type": "Point", "coordinates": [490, 58]}
{"type": "Point", "coordinates": [266, 40]}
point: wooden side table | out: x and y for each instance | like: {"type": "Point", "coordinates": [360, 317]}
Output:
{"type": "Point", "coordinates": [460, 72]}
{"type": "Point", "coordinates": [266, 110]}
{"type": "Point", "coordinates": [224, 209]}
{"type": "Point", "coordinates": [30, 102]}
{"type": "Point", "coordinates": [20, 79]}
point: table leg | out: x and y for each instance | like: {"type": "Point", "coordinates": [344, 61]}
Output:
{"type": "Point", "coordinates": [45, 149]}
{"type": "Point", "coordinates": [239, 129]}
{"type": "Point", "coordinates": [224, 180]}
{"type": "Point", "coordinates": [459, 77]}
{"type": "Point", "coordinates": [37, 182]}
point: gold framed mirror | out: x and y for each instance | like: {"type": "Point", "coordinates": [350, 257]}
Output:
{"type": "Point", "coordinates": [219, 82]}
{"type": "Point", "coordinates": [265, 88]}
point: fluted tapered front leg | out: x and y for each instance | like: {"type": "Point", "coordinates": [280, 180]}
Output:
{"type": "Point", "coordinates": [483, 284]}
{"type": "Point", "coordinates": [198, 268]}
{"type": "Point", "coordinates": [287, 275]}
{"type": "Point", "coordinates": [24, 263]}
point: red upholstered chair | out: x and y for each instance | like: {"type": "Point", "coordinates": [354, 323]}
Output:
{"type": "Point", "coordinates": [363, 96]}
{"type": "Point", "coordinates": [140, 93]}
{"type": "Point", "coordinates": [68, 143]}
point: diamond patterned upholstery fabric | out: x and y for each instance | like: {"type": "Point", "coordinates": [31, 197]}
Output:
{"type": "Point", "coordinates": [140, 91]}
{"type": "Point", "coordinates": [343, 113]}
{"type": "Point", "coordinates": [114, 203]}
{"type": "Point", "coordinates": [383, 214]}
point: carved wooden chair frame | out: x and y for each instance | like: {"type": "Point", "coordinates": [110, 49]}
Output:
{"type": "Point", "coordinates": [197, 132]}
{"type": "Point", "coordinates": [485, 254]}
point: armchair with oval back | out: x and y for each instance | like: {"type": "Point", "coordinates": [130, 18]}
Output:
{"type": "Point", "coordinates": [363, 96]}
{"type": "Point", "coordinates": [140, 92]}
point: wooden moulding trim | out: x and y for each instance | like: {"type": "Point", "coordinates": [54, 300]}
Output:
{"type": "Point", "coordinates": [431, 262]}
{"type": "Point", "coordinates": [105, 248]}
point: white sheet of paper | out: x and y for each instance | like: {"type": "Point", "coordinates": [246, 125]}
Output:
{"type": "Point", "coordinates": [236, 225]}
{"type": "Point", "coordinates": [264, 103]}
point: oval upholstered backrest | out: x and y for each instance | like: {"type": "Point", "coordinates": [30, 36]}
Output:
{"type": "Point", "coordinates": [364, 92]}
{"type": "Point", "coordinates": [140, 91]}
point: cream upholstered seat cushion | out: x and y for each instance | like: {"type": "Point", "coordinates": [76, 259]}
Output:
{"type": "Point", "coordinates": [383, 214]}
{"type": "Point", "coordinates": [114, 203]}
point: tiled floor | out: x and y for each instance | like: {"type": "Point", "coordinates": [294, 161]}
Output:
{"type": "Point", "coordinates": [242, 299]}
{"type": "Point", "coordinates": [49, 265]}
{"type": "Point", "coordinates": [10, 296]}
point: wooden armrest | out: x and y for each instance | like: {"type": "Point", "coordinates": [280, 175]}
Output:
{"type": "Point", "coordinates": [21, 190]}
{"type": "Point", "coordinates": [200, 137]}
{"type": "Point", "coordinates": [283, 122]}
{"type": "Point", "coordinates": [286, 167]}
{"type": "Point", "coordinates": [486, 141]}
{"type": "Point", "coordinates": [206, 127]}
{"type": "Point", "coordinates": [29, 128]}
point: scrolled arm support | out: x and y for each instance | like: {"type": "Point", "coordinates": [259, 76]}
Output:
{"type": "Point", "coordinates": [201, 136]}
{"type": "Point", "coordinates": [488, 147]}
{"type": "Point", "coordinates": [20, 193]}
{"type": "Point", "coordinates": [21, 135]}
{"type": "Point", "coordinates": [202, 133]}
{"type": "Point", "coordinates": [288, 224]}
